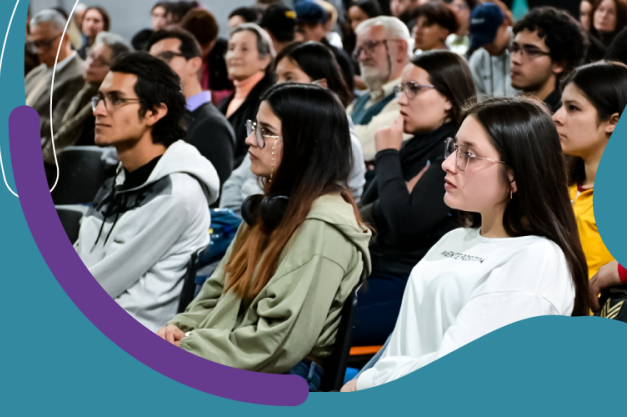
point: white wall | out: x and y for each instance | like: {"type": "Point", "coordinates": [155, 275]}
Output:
{"type": "Point", "coordinates": [130, 16]}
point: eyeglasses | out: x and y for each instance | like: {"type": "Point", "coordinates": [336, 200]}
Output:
{"type": "Point", "coordinates": [463, 155]}
{"type": "Point", "coordinates": [168, 56]}
{"type": "Point", "coordinates": [98, 62]}
{"type": "Point", "coordinates": [45, 43]}
{"type": "Point", "coordinates": [369, 47]}
{"type": "Point", "coordinates": [111, 101]}
{"type": "Point", "coordinates": [411, 89]}
{"type": "Point", "coordinates": [528, 53]}
{"type": "Point", "coordinates": [260, 134]}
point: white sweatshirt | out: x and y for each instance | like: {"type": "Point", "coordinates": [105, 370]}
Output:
{"type": "Point", "coordinates": [466, 287]}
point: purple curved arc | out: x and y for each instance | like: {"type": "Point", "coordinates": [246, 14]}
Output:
{"type": "Point", "coordinates": [103, 311]}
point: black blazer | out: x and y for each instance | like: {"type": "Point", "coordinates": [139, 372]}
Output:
{"type": "Point", "coordinates": [210, 132]}
{"type": "Point", "coordinates": [247, 111]}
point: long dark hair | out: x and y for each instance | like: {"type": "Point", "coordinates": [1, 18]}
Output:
{"type": "Point", "coordinates": [621, 16]}
{"type": "Point", "coordinates": [106, 20]}
{"type": "Point", "coordinates": [317, 61]}
{"type": "Point", "coordinates": [524, 135]}
{"type": "Point", "coordinates": [604, 84]}
{"type": "Point", "coordinates": [450, 75]}
{"type": "Point", "coordinates": [316, 160]}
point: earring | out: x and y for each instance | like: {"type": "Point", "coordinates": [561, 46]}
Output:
{"type": "Point", "coordinates": [511, 195]}
{"type": "Point", "coordinates": [272, 165]}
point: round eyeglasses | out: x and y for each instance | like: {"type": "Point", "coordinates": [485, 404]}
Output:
{"type": "Point", "coordinates": [260, 134]}
{"type": "Point", "coordinates": [463, 156]}
{"type": "Point", "coordinates": [411, 89]}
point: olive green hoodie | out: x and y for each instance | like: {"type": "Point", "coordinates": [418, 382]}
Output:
{"type": "Point", "coordinates": [297, 314]}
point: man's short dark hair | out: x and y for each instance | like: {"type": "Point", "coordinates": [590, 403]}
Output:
{"type": "Point", "coordinates": [249, 14]}
{"type": "Point", "coordinates": [617, 51]}
{"type": "Point", "coordinates": [164, 4]}
{"type": "Point", "coordinates": [189, 45]}
{"type": "Point", "coordinates": [562, 34]}
{"type": "Point", "coordinates": [156, 84]}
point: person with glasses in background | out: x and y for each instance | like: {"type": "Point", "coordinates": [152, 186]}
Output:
{"type": "Point", "coordinates": [146, 222]}
{"type": "Point", "coordinates": [274, 303]}
{"type": "Point", "coordinates": [46, 29]}
{"type": "Point", "coordinates": [383, 50]}
{"type": "Point", "coordinates": [207, 128]}
{"type": "Point", "coordinates": [404, 203]}
{"type": "Point", "coordinates": [518, 255]}
{"type": "Point", "coordinates": [548, 44]}
{"type": "Point", "coordinates": [77, 128]}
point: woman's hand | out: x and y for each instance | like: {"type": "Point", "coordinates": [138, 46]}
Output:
{"type": "Point", "coordinates": [607, 276]}
{"type": "Point", "coordinates": [171, 333]}
{"type": "Point", "coordinates": [351, 386]}
{"type": "Point", "coordinates": [390, 137]}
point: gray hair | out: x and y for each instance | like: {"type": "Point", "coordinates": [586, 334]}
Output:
{"type": "Point", "coordinates": [117, 43]}
{"type": "Point", "coordinates": [56, 20]}
{"type": "Point", "coordinates": [394, 28]}
{"type": "Point", "coordinates": [264, 42]}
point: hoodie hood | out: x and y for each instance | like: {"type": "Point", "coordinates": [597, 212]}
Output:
{"type": "Point", "coordinates": [332, 209]}
{"type": "Point", "coordinates": [181, 158]}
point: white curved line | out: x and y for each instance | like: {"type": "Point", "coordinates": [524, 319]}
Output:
{"type": "Point", "coordinates": [1, 59]}
{"type": "Point", "coordinates": [54, 71]}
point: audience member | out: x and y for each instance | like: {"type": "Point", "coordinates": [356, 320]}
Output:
{"type": "Point", "coordinates": [280, 23]}
{"type": "Point", "coordinates": [459, 42]}
{"type": "Point", "coordinates": [608, 17]}
{"type": "Point", "coordinates": [148, 220]}
{"type": "Point", "coordinates": [215, 78]}
{"type": "Point", "coordinates": [207, 128]}
{"type": "Point", "coordinates": [312, 20]}
{"type": "Point", "coordinates": [490, 30]}
{"type": "Point", "coordinates": [593, 100]}
{"type": "Point", "coordinates": [95, 20]}
{"type": "Point", "coordinates": [31, 61]}
{"type": "Point", "coordinates": [46, 29]}
{"type": "Point", "coordinates": [518, 259]}
{"type": "Point", "coordinates": [548, 44]}
{"type": "Point", "coordinates": [585, 10]}
{"type": "Point", "coordinates": [273, 305]}
{"type": "Point", "coordinates": [402, 9]}
{"type": "Point", "coordinates": [177, 10]}
{"type": "Point", "coordinates": [617, 51]}
{"type": "Point", "coordinates": [362, 10]}
{"type": "Point", "coordinates": [77, 128]}
{"type": "Point", "coordinates": [243, 15]}
{"type": "Point", "coordinates": [330, 27]}
{"type": "Point", "coordinates": [382, 51]}
{"type": "Point", "coordinates": [404, 203]}
{"type": "Point", "coordinates": [435, 22]}
{"type": "Point", "coordinates": [79, 13]}
{"type": "Point", "coordinates": [248, 60]}
{"type": "Point", "coordinates": [158, 18]}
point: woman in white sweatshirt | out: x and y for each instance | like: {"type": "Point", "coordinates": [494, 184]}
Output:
{"type": "Point", "coordinates": [519, 256]}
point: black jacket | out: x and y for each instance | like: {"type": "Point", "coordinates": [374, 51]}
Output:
{"type": "Point", "coordinates": [406, 226]}
{"type": "Point", "coordinates": [219, 77]}
{"type": "Point", "coordinates": [247, 111]}
{"type": "Point", "coordinates": [210, 132]}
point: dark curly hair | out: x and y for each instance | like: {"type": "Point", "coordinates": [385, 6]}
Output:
{"type": "Point", "coordinates": [562, 34]}
{"type": "Point", "coordinates": [156, 84]}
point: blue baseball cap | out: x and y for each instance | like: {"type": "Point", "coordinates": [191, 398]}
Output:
{"type": "Point", "coordinates": [485, 20]}
{"type": "Point", "coordinates": [310, 12]}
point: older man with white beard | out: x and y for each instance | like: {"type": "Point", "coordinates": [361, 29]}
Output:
{"type": "Point", "coordinates": [383, 50]}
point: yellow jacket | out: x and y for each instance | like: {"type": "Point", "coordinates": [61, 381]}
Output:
{"type": "Point", "coordinates": [596, 253]}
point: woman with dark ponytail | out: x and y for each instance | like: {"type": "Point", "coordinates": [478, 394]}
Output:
{"type": "Point", "coordinates": [273, 305]}
{"type": "Point", "coordinates": [518, 255]}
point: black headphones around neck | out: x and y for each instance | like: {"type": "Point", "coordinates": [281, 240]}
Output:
{"type": "Point", "coordinates": [270, 209]}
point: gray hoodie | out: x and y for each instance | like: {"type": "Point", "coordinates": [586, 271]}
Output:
{"type": "Point", "coordinates": [137, 242]}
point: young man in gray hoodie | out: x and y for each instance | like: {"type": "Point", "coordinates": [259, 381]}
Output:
{"type": "Point", "coordinates": [490, 38]}
{"type": "Point", "coordinates": [145, 223]}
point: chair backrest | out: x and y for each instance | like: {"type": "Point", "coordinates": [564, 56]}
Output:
{"type": "Point", "coordinates": [189, 284]}
{"type": "Point", "coordinates": [70, 217]}
{"type": "Point", "coordinates": [335, 365]}
{"type": "Point", "coordinates": [81, 174]}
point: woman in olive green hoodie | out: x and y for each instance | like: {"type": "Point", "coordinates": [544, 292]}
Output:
{"type": "Point", "coordinates": [274, 303]}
